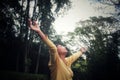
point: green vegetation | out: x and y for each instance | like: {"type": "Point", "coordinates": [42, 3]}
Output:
{"type": "Point", "coordinates": [22, 51]}
{"type": "Point", "coordinates": [10, 75]}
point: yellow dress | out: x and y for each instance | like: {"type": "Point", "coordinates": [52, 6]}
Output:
{"type": "Point", "coordinates": [60, 70]}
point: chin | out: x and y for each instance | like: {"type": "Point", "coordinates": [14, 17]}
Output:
{"type": "Point", "coordinates": [66, 52]}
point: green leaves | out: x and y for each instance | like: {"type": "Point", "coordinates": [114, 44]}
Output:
{"type": "Point", "coordinates": [95, 33]}
{"type": "Point", "coordinates": [14, 15]}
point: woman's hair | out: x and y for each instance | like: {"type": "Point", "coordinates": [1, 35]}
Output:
{"type": "Point", "coordinates": [68, 53]}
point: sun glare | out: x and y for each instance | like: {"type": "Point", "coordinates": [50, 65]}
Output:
{"type": "Point", "coordinates": [81, 10]}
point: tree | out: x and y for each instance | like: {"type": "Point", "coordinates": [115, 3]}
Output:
{"type": "Point", "coordinates": [14, 15]}
{"type": "Point", "coordinates": [96, 33]}
{"type": "Point", "coordinates": [107, 4]}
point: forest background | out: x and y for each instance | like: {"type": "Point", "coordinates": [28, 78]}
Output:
{"type": "Point", "coordinates": [23, 55]}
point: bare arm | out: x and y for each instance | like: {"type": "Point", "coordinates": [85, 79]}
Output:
{"type": "Point", "coordinates": [37, 29]}
{"type": "Point", "coordinates": [49, 43]}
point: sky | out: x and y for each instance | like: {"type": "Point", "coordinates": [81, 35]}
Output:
{"type": "Point", "coordinates": [81, 10]}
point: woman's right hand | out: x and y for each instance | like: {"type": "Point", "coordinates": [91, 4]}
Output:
{"type": "Point", "coordinates": [34, 26]}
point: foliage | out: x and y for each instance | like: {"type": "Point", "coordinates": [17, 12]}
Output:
{"type": "Point", "coordinates": [22, 50]}
{"type": "Point", "coordinates": [97, 33]}
{"type": "Point", "coordinates": [107, 5]}
{"type": "Point", "coordinates": [7, 75]}
{"type": "Point", "coordinates": [14, 15]}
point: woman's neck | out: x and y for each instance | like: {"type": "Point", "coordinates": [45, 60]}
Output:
{"type": "Point", "coordinates": [63, 58]}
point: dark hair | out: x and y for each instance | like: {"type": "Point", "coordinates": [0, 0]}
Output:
{"type": "Point", "coordinates": [57, 44]}
{"type": "Point", "coordinates": [69, 53]}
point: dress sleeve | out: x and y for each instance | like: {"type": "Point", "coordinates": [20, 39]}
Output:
{"type": "Point", "coordinates": [52, 50]}
{"type": "Point", "coordinates": [50, 44]}
{"type": "Point", "coordinates": [73, 57]}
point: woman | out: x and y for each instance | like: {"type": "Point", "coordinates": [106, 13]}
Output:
{"type": "Point", "coordinates": [59, 64]}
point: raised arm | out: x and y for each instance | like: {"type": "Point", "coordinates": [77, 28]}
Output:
{"type": "Point", "coordinates": [35, 27]}
{"type": "Point", "coordinates": [76, 55]}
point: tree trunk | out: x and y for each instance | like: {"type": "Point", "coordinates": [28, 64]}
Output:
{"type": "Point", "coordinates": [38, 58]}
{"type": "Point", "coordinates": [26, 66]}
{"type": "Point", "coordinates": [17, 62]}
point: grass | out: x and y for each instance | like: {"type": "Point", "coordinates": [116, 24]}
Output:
{"type": "Point", "coordinates": [9, 75]}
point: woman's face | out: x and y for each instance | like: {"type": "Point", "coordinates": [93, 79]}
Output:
{"type": "Point", "coordinates": [61, 50]}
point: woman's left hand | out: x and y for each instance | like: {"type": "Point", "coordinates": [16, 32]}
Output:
{"type": "Point", "coordinates": [83, 49]}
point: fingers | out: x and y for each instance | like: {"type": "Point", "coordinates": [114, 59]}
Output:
{"type": "Point", "coordinates": [29, 22]}
{"type": "Point", "coordinates": [83, 49]}
{"type": "Point", "coordinates": [32, 23]}
{"type": "Point", "coordinates": [35, 23]}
